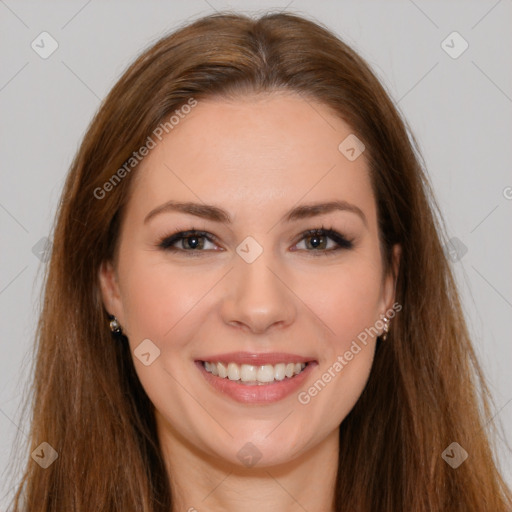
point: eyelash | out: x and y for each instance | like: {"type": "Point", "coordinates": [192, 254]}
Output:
{"type": "Point", "coordinates": [168, 241]}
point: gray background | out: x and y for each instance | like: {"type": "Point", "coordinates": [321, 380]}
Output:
{"type": "Point", "coordinates": [458, 108]}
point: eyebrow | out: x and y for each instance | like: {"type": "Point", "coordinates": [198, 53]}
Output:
{"type": "Point", "coordinates": [217, 214]}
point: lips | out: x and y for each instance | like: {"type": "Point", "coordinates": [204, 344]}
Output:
{"type": "Point", "coordinates": [257, 392]}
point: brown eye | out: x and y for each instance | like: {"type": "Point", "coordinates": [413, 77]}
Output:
{"type": "Point", "coordinates": [318, 241]}
{"type": "Point", "coordinates": [190, 241]}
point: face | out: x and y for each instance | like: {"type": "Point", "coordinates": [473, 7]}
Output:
{"type": "Point", "coordinates": [253, 286]}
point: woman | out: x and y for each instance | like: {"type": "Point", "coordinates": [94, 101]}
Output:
{"type": "Point", "coordinates": [248, 303]}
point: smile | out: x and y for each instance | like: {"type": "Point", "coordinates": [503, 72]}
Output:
{"type": "Point", "coordinates": [256, 379]}
{"type": "Point", "coordinates": [253, 375]}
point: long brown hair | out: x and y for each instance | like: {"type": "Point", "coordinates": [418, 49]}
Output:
{"type": "Point", "coordinates": [426, 389]}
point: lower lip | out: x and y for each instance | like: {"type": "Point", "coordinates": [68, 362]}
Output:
{"type": "Point", "coordinates": [257, 394]}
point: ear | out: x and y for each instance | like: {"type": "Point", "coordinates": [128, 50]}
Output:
{"type": "Point", "coordinates": [389, 284]}
{"type": "Point", "coordinates": [110, 293]}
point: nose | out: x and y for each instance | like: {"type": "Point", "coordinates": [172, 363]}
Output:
{"type": "Point", "coordinates": [258, 298]}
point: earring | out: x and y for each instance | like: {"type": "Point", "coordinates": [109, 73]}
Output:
{"type": "Point", "coordinates": [386, 328]}
{"type": "Point", "coordinates": [115, 327]}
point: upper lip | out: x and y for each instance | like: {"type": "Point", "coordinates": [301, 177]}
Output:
{"type": "Point", "coordinates": [257, 359]}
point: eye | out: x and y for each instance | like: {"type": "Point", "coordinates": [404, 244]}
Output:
{"type": "Point", "coordinates": [319, 241]}
{"type": "Point", "coordinates": [190, 241]}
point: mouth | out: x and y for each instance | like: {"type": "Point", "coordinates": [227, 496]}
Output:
{"type": "Point", "coordinates": [256, 378]}
{"type": "Point", "coordinates": [252, 375]}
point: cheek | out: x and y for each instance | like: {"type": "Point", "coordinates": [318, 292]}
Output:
{"type": "Point", "coordinates": [347, 303]}
{"type": "Point", "coordinates": [345, 298]}
{"type": "Point", "coordinates": [156, 297]}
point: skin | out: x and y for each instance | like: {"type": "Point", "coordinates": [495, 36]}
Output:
{"type": "Point", "coordinates": [256, 157]}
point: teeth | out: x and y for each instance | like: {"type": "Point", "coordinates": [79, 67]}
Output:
{"type": "Point", "coordinates": [247, 373]}
{"type": "Point", "coordinates": [233, 371]}
{"type": "Point", "coordinates": [223, 371]}
{"type": "Point", "coordinates": [279, 371]}
{"type": "Point", "coordinates": [265, 373]}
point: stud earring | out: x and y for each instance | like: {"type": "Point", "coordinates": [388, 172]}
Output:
{"type": "Point", "coordinates": [386, 328]}
{"type": "Point", "coordinates": [115, 327]}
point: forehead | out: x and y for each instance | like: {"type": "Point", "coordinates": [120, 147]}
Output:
{"type": "Point", "coordinates": [265, 151]}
